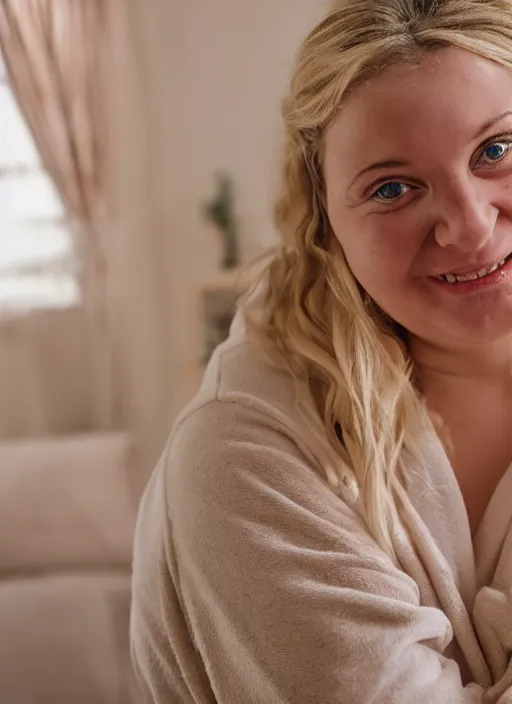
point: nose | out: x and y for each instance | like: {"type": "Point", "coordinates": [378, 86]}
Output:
{"type": "Point", "coordinates": [467, 218]}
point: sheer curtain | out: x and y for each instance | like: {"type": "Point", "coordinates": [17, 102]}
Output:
{"type": "Point", "coordinates": [83, 73]}
{"type": "Point", "coordinates": [55, 53]}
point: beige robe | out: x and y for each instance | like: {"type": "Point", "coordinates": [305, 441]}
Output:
{"type": "Point", "coordinates": [256, 583]}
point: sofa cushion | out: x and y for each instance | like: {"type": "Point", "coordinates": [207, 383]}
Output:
{"type": "Point", "coordinates": [65, 640]}
{"type": "Point", "coordinates": [65, 502]}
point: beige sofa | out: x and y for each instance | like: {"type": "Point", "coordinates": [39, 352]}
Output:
{"type": "Point", "coordinates": [66, 525]}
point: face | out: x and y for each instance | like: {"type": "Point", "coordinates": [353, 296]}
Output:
{"type": "Point", "coordinates": [418, 172]}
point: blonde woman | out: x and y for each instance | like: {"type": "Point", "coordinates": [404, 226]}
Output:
{"type": "Point", "coordinates": [331, 522]}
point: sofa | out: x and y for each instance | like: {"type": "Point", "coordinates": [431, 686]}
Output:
{"type": "Point", "coordinates": [67, 514]}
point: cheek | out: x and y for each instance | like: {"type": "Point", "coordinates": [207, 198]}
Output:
{"type": "Point", "coordinates": [380, 250]}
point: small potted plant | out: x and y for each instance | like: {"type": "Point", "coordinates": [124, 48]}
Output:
{"type": "Point", "coordinates": [220, 212]}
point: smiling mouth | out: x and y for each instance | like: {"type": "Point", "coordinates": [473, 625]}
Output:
{"type": "Point", "coordinates": [481, 274]}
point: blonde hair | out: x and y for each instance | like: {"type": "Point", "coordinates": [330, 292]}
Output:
{"type": "Point", "coordinates": [315, 315]}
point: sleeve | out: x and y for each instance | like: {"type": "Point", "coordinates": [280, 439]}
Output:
{"type": "Point", "coordinates": [288, 598]}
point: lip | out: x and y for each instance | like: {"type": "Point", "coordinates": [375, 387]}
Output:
{"type": "Point", "coordinates": [497, 278]}
{"type": "Point", "coordinates": [474, 267]}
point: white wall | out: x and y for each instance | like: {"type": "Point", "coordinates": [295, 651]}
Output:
{"type": "Point", "coordinates": [214, 75]}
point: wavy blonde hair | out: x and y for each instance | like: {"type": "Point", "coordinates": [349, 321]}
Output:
{"type": "Point", "coordinates": [315, 316]}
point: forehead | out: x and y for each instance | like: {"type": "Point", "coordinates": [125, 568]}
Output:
{"type": "Point", "coordinates": [443, 100]}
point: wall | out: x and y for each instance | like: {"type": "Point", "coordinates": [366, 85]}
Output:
{"type": "Point", "coordinates": [45, 374]}
{"type": "Point", "coordinates": [214, 75]}
{"type": "Point", "coordinates": [195, 87]}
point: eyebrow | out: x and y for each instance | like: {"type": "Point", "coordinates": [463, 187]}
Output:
{"type": "Point", "coordinates": [397, 163]}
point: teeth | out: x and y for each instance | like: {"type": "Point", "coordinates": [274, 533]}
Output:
{"type": "Point", "coordinates": [467, 277]}
{"type": "Point", "coordinates": [454, 278]}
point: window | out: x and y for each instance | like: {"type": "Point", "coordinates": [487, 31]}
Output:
{"type": "Point", "coordinates": [37, 263]}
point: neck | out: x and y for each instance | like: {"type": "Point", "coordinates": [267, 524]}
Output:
{"type": "Point", "coordinates": [469, 396]}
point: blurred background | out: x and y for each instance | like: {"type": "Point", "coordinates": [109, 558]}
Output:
{"type": "Point", "coordinates": [140, 145]}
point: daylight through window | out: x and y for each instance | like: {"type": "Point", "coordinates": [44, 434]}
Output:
{"type": "Point", "coordinates": [37, 266]}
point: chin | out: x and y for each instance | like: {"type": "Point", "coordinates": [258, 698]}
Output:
{"type": "Point", "coordinates": [475, 316]}
{"type": "Point", "coordinates": [452, 326]}
{"type": "Point", "coordinates": [477, 326]}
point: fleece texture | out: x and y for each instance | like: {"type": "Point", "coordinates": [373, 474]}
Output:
{"type": "Point", "coordinates": [256, 583]}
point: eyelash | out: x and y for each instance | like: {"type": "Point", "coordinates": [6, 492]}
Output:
{"type": "Point", "coordinates": [376, 187]}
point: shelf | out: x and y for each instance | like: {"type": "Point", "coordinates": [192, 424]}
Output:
{"type": "Point", "coordinates": [230, 279]}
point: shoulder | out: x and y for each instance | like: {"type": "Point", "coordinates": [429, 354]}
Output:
{"type": "Point", "coordinates": [241, 372]}
{"type": "Point", "coordinates": [236, 477]}
{"type": "Point", "coordinates": [248, 410]}
{"type": "Point", "coordinates": [223, 448]}
{"type": "Point", "coordinates": [252, 420]}
{"type": "Point", "coordinates": [245, 506]}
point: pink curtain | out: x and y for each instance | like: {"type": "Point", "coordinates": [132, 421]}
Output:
{"type": "Point", "coordinates": [55, 53]}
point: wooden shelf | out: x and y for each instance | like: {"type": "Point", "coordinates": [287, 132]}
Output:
{"type": "Point", "coordinates": [231, 279]}
{"type": "Point", "coordinates": [215, 299]}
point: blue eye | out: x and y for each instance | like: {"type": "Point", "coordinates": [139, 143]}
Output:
{"type": "Point", "coordinates": [496, 151]}
{"type": "Point", "coordinates": [390, 191]}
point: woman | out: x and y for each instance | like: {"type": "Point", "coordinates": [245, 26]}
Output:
{"type": "Point", "coordinates": [331, 521]}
